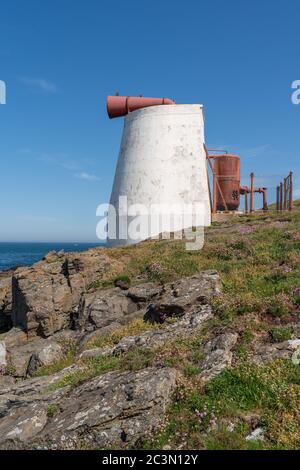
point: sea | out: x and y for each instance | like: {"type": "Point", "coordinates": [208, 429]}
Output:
{"type": "Point", "coordinates": [26, 254]}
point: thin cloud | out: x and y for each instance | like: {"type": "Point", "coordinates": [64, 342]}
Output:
{"type": "Point", "coordinates": [41, 84]}
{"type": "Point", "coordinates": [37, 218]}
{"type": "Point", "coordinates": [244, 152]}
{"type": "Point", "coordinates": [87, 176]}
{"type": "Point", "coordinates": [60, 159]}
{"type": "Point", "coordinates": [253, 152]}
{"type": "Point", "coordinates": [76, 167]}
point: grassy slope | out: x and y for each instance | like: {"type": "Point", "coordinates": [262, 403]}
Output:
{"type": "Point", "coordinates": [258, 260]}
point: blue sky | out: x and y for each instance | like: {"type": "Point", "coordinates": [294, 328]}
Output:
{"type": "Point", "coordinates": [60, 58]}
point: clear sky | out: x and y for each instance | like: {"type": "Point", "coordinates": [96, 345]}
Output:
{"type": "Point", "coordinates": [60, 58]}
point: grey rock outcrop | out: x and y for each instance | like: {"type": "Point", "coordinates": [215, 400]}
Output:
{"type": "Point", "coordinates": [3, 357]}
{"type": "Point", "coordinates": [47, 295]}
{"type": "Point", "coordinates": [118, 408]}
{"type": "Point", "coordinates": [154, 302]}
{"type": "Point", "coordinates": [105, 309]}
{"type": "Point", "coordinates": [5, 301]}
{"type": "Point", "coordinates": [45, 356]}
{"type": "Point", "coordinates": [269, 352]}
{"type": "Point", "coordinates": [20, 352]}
{"type": "Point", "coordinates": [185, 326]}
{"type": "Point", "coordinates": [182, 296]}
{"type": "Point", "coordinates": [218, 355]}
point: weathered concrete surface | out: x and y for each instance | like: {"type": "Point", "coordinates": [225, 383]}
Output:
{"type": "Point", "coordinates": [162, 162]}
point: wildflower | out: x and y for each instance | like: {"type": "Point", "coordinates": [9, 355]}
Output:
{"type": "Point", "coordinates": [245, 230]}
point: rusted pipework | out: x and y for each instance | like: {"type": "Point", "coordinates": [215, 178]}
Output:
{"type": "Point", "coordinates": [280, 196]}
{"type": "Point", "coordinates": [277, 198]}
{"type": "Point", "coordinates": [226, 183]}
{"type": "Point", "coordinates": [291, 191]}
{"type": "Point", "coordinates": [215, 184]}
{"type": "Point", "coordinates": [263, 191]}
{"type": "Point", "coordinates": [226, 171]}
{"type": "Point", "coordinates": [284, 194]}
{"type": "Point", "coordinates": [245, 190]}
{"type": "Point", "coordinates": [251, 192]}
{"type": "Point", "coordinates": [118, 106]}
{"type": "Point", "coordinates": [246, 203]}
{"type": "Point", "coordinates": [288, 192]}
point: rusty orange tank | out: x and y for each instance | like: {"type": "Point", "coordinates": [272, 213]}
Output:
{"type": "Point", "coordinates": [227, 169]}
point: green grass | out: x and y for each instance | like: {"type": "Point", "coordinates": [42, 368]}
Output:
{"type": "Point", "coordinates": [91, 368]}
{"type": "Point", "coordinates": [52, 410]}
{"type": "Point", "coordinates": [108, 283]}
{"type": "Point", "coordinates": [132, 328]}
{"type": "Point", "coordinates": [272, 391]}
{"type": "Point", "coordinates": [255, 267]}
{"type": "Point", "coordinates": [260, 272]}
{"type": "Point", "coordinates": [122, 278]}
{"type": "Point", "coordinates": [281, 333]}
{"type": "Point", "coordinates": [100, 284]}
{"type": "Point", "coordinates": [134, 360]}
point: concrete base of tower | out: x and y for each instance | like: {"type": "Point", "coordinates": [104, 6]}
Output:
{"type": "Point", "coordinates": [161, 182]}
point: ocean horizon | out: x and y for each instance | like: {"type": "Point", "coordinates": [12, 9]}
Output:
{"type": "Point", "coordinates": [13, 254]}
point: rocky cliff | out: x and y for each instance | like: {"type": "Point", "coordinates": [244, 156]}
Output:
{"type": "Point", "coordinates": [154, 346]}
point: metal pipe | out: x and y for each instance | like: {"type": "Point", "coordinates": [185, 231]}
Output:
{"type": "Point", "coordinates": [291, 191]}
{"type": "Point", "coordinates": [251, 192]}
{"type": "Point", "coordinates": [265, 203]}
{"type": "Point", "coordinates": [209, 189]}
{"type": "Point", "coordinates": [284, 193]}
{"type": "Point", "coordinates": [277, 198]}
{"type": "Point", "coordinates": [246, 203]}
{"type": "Point", "coordinates": [280, 196]}
{"type": "Point", "coordinates": [118, 106]}
{"type": "Point", "coordinates": [245, 191]}
{"type": "Point", "coordinates": [214, 193]}
{"type": "Point", "coordinates": [263, 191]}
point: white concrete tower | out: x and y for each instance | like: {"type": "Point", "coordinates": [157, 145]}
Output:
{"type": "Point", "coordinates": [161, 162]}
